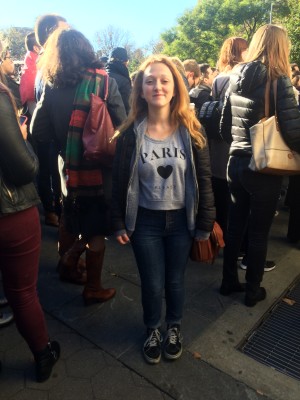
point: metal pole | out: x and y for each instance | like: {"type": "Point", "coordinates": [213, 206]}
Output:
{"type": "Point", "coordinates": [271, 10]}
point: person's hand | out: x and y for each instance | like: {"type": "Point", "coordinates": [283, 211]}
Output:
{"type": "Point", "coordinates": [123, 239]}
{"type": "Point", "coordinates": [24, 131]}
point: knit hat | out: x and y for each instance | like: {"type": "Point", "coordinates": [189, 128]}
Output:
{"type": "Point", "coordinates": [119, 54]}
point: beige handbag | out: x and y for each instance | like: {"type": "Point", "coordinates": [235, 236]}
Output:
{"type": "Point", "coordinates": [271, 155]}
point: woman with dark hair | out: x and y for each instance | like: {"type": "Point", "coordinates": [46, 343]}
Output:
{"type": "Point", "coordinates": [20, 235]}
{"type": "Point", "coordinates": [72, 72]}
{"type": "Point", "coordinates": [162, 195]}
{"type": "Point", "coordinates": [254, 196]}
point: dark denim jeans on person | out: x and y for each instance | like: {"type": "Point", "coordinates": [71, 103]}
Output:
{"type": "Point", "coordinates": [161, 243]}
{"type": "Point", "coordinates": [254, 198]}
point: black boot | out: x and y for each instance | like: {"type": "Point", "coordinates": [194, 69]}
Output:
{"type": "Point", "coordinates": [254, 293]}
{"type": "Point", "coordinates": [45, 360]}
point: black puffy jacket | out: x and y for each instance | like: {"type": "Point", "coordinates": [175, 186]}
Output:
{"type": "Point", "coordinates": [244, 106]}
{"type": "Point", "coordinates": [18, 163]}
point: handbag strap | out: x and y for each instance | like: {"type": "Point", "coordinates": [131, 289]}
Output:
{"type": "Point", "coordinates": [98, 80]}
{"type": "Point", "coordinates": [267, 96]}
{"type": "Point", "coordinates": [217, 93]}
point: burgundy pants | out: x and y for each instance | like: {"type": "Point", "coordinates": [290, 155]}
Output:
{"type": "Point", "coordinates": [20, 241]}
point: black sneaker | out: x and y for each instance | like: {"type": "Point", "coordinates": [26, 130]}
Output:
{"type": "Point", "coordinates": [152, 346]}
{"type": "Point", "coordinates": [173, 343]}
{"type": "Point", "coordinates": [269, 265]}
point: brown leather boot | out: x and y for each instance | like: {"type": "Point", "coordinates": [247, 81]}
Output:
{"type": "Point", "coordinates": [65, 238]}
{"type": "Point", "coordinates": [71, 267]}
{"type": "Point", "coordinates": [51, 219]}
{"type": "Point", "coordinates": [93, 291]}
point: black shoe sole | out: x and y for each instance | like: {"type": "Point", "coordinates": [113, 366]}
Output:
{"type": "Point", "coordinates": [152, 361]}
{"type": "Point", "coordinates": [172, 356]}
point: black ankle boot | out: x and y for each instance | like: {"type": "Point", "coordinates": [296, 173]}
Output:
{"type": "Point", "coordinates": [254, 294]}
{"type": "Point", "coordinates": [45, 360]}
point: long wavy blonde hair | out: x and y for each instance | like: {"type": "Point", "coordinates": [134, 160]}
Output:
{"type": "Point", "coordinates": [270, 44]}
{"type": "Point", "coordinates": [180, 112]}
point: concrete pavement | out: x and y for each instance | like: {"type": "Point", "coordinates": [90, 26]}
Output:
{"type": "Point", "coordinates": [101, 357]}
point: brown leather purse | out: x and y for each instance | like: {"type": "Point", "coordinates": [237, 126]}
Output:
{"type": "Point", "coordinates": [206, 251]}
{"type": "Point", "coordinates": [99, 148]}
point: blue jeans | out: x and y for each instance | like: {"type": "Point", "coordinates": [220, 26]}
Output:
{"type": "Point", "coordinates": [254, 198]}
{"type": "Point", "coordinates": [161, 243]}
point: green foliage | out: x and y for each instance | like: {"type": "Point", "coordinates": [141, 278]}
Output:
{"type": "Point", "coordinates": [292, 23]}
{"type": "Point", "coordinates": [201, 31]}
{"type": "Point", "coordinates": [14, 38]}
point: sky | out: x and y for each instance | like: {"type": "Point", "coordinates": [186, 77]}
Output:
{"type": "Point", "coordinates": [143, 20]}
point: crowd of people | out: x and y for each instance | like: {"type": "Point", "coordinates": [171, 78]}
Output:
{"type": "Point", "coordinates": [168, 183]}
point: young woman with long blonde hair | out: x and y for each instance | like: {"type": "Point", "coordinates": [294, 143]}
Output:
{"type": "Point", "coordinates": [254, 195]}
{"type": "Point", "coordinates": [162, 195]}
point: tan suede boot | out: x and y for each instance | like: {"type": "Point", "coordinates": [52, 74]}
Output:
{"type": "Point", "coordinates": [93, 291]}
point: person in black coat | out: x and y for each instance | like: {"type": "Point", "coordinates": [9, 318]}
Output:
{"type": "Point", "coordinates": [202, 92]}
{"type": "Point", "coordinates": [254, 196]}
{"type": "Point", "coordinates": [117, 69]}
{"type": "Point", "coordinates": [68, 63]}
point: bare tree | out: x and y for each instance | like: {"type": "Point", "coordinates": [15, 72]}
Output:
{"type": "Point", "coordinates": [111, 37]}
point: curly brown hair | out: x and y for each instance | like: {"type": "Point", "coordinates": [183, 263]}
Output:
{"type": "Point", "coordinates": [68, 53]}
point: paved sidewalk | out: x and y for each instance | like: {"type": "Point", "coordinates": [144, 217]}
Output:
{"type": "Point", "coordinates": [101, 357]}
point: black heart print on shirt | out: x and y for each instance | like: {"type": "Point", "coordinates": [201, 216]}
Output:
{"type": "Point", "coordinates": [165, 172]}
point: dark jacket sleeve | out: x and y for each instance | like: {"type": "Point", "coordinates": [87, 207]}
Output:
{"type": "Point", "coordinates": [125, 91]}
{"type": "Point", "coordinates": [115, 104]}
{"type": "Point", "coordinates": [206, 208]}
{"type": "Point", "coordinates": [18, 162]}
{"type": "Point", "coordinates": [226, 121]}
{"type": "Point", "coordinates": [41, 126]}
{"type": "Point", "coordinates": [288, 113]}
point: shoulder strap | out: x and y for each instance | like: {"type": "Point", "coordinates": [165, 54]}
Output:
{"type": "Point", "coordinates": [267, 98]}
{"type": "Point", "coordinates": [105, 87]}
{"type": "Point", "coordinates": [218, 95]}
{"type": "Point", "coordinates": [99, 76]}
{"type": "Point", "coordinates": [275, 93]}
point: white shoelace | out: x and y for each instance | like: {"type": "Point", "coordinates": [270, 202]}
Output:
{"type": "Point", "coordinates": [154, 339]}
{"type": "Point", "coordinates": [173, 335]}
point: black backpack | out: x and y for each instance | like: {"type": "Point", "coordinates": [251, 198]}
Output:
{"type": "Point", "coordinates": [210, 114]}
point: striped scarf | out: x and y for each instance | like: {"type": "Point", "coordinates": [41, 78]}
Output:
{"type": "Point", "coordinates": [83, 179]}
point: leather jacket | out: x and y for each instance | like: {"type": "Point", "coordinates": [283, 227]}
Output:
{"type": "Point", "coordinates": [244, 106]}
{"type": "Point", "coordinates": [18, 163]}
